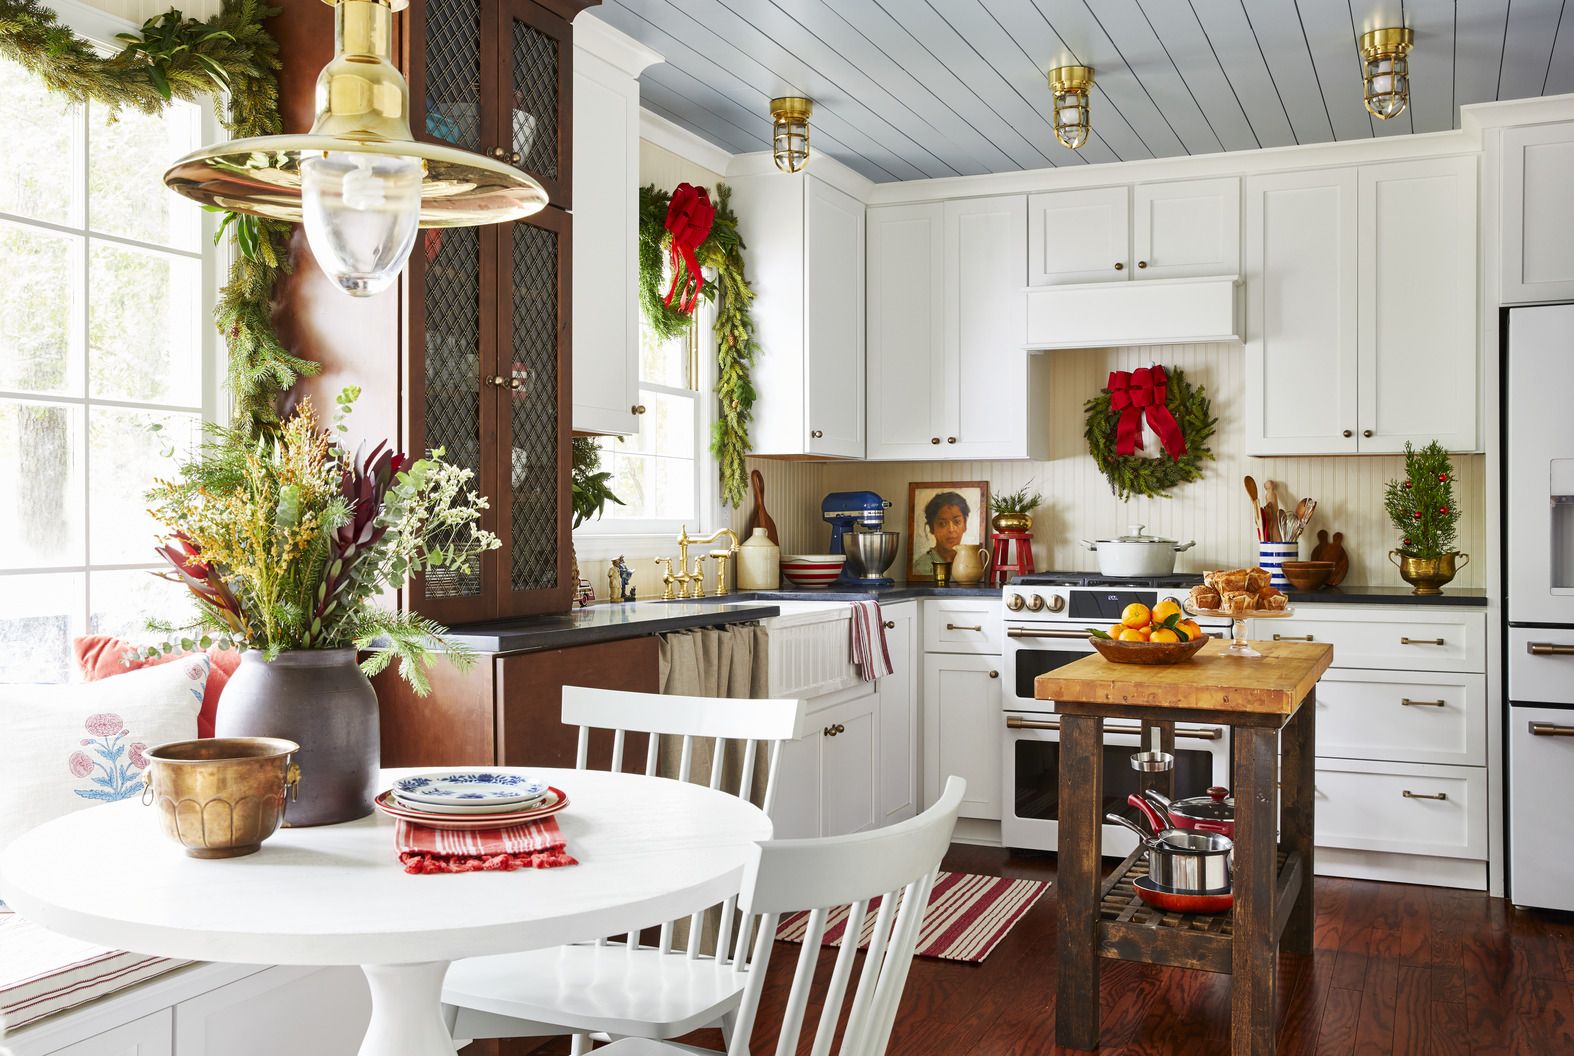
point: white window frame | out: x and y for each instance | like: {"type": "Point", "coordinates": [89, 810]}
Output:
{"type": "Point", "coordinates": [100, 27]}
{"type": "Point", "coordinates": [605, 538]}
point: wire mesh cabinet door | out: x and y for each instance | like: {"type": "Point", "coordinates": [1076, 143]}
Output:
{"type": "Point", "coordinates": [536, 55]}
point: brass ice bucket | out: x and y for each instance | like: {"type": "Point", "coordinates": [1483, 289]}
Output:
{"type": "Point", "coordinates": [1428, 574]}
{"type": "Point", "coordinates": [220, 797]}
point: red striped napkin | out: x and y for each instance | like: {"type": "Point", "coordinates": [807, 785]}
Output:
{"type": "Point", "coordinates": [531, 845]}
{"type": "Point", "coordinates": [870, 653]}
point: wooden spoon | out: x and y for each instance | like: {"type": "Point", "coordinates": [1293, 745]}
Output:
{"type": "Point", "coordinates": [1251, 489]}
{"type": "Point", "coordinates": [1271, 510]}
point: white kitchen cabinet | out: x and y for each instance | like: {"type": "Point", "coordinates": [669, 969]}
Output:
{"type": "Point", "coordinates": [828, 781]}
{"type": "Point", "coordinates": [148, 1036]}
{"type": "Point", "coordinates": [1538, 214]}
{"type": "Point", "coordinates": [605, 308]}
{"type": "Point", "coordinates": [1078, 236]}
{"type": "Point", "coordinates": [806, 261]}
{"type": "Point", "coordinates": [962, 729]}
{"type": "Point", "coordinates": [1186, 228]}
{"type": "Point", "coordinates": [1301, 313]}
{"type": "Point", "coordinates": [899, 732]}
{"type": "Point", "coordinates": [908, 395]}
{"type": "Point", "coordinates": [1417, 366]}
{"type": "Point", "coordinates": [1361, 309]}
{"type": "Point", "coordinates": [281, 1010]}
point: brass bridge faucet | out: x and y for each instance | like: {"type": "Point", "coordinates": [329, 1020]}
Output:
{"type": "Point", "coordinates": [684, 579]}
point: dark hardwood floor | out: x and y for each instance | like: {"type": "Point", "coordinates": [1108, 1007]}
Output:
{"type": "Point", "coordinates": [1397, 969]}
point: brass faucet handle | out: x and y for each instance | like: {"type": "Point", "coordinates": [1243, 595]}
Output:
{"type": "Point", "coordinates": [722, 557]}
{"type": "Point", "coordinates": [668, 579]}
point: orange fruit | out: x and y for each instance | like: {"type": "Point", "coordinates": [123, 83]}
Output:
{"type": "Point", "coordinates": [1164, 635]}
{"type": "Point", "coordinates": [1136, 615]}
{"type": "Point", "coordinates": [1115, 630]}
{"type": "Point", "coordinates": [1146, 632]}
{"type": "Point", "coordinates": [1165, 609]}
{"type": "Point", "coordinates": [1191, 629]}
{"type": "Point", "coordinates": [1132, 634]}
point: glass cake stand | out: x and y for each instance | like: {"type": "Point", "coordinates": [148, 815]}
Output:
{"type": "Point", "coordinates": [1239, 646]}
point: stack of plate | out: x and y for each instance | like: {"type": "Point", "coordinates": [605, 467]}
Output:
{"type": "Point", "coordinates": [471, 799]}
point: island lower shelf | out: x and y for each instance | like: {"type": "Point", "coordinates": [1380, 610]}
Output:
{"type": "Point", "coordinates": [1132, 930]}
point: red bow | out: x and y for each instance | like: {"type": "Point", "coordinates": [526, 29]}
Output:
{"type": "Point", "coordinates": [689, 218]}
{"type": "Point", "coordinates": [1133, 392]}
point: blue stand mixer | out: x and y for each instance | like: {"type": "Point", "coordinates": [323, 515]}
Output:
{"type": "Point", "coordinates": [869, 552]}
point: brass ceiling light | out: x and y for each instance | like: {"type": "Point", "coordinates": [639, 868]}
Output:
{"type": "Point", "coordinates": [359, 181]}
{"type": "Point", "coordinates": [790, 132]}
{"type": "Point", "coordinates": [1386, 70]}
{"type": "Point", "coordinates": [1071, 85]}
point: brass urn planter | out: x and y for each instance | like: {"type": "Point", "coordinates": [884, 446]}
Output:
{"type": "Point", "coordinates": [1428, 575]}
{"type": "Point", "coordinates": [1012, 522]}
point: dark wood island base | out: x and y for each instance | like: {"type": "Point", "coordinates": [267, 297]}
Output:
{"type": "Point", "coordinates": [1270, 705]}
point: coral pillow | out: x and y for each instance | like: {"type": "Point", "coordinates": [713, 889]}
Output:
{"type": "Point", "coordinates": [102, 655]}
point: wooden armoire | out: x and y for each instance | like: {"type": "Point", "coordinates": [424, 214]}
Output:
{"type": "Point", "coordinates": [471, 351]}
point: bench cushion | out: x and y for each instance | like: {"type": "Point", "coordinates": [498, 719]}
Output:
{"type": "Point", "coordinates": [43, 973]}
{"type": "Point", "coordinates": [102, 655]}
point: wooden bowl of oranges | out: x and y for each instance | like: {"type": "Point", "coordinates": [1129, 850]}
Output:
{"type": "Point", "coordinates": [1161, 635]}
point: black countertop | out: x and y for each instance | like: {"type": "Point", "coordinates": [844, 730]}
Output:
{"type": "Point", "coordinates": [606, 622]}
{"type": "Point", "coordinates": [1399, 595]}
{"type": "Point", "coordinates": [899, 592]}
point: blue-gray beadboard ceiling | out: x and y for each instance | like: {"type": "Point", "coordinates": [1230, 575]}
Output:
{"type": "Point", "coordinates": [908, 89]}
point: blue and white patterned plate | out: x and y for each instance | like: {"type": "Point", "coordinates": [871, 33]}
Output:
{"type": "Point", "coordinates": [469, 788]}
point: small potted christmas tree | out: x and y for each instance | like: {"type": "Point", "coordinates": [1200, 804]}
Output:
{"type": "Point", "coordinates": [1426, 516]}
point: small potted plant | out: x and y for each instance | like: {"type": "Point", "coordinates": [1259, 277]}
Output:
{"type": "Point", "coordinates": [1426, 517]}
{"type": "Point", "coordinates": [1014, 511]}
{"type": "Point", "coordinates": [287, 542]}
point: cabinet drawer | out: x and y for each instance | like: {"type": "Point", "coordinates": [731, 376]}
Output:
{"type": "Point", "coordinates": [1363, 806]}
{"type": "Point", "coordinates": [962, 626]}
{"type": "Point", "coordinates": [1391, 640]}
{"type": "Point", "coordinates": [1545, 676]}
{"type": "Point", "coordinates": [1412, 716]}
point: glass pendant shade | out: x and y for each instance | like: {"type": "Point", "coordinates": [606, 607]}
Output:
{"type": "Point", "coordinates": [1386, 71]}
{"type": "Point", "coordinates": [359, 180]}
{"type": "Point", "coordinates": [790, 132]}
{"type": "Point", "coordinates": [1072, 121]}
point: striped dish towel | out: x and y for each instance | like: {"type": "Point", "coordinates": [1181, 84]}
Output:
{"type": "Point", "coordinates": [870, 654]}
{"type": "Point", "coordinates": [532, 845]}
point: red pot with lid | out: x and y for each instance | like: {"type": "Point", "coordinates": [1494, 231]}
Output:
{"type": "Point", "coordinates": [1214, 812]}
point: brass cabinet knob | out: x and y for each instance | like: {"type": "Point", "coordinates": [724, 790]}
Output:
{"type": "Point", "coordinates": [1119, 266]}
{"type": "Point", "coordinates": [498, 380]}
{"type": "Point", "coordinates": [1348, 434]}
{"type": "Point", "coordinates": [1367, 433]}
{"type": "Point", "coordinates": [817, 434]}
{"type": "Point", "coordinates": [499, 152]}
{"type": "Point", "coordinates": [638, 408]}
{"type": "Point", "coordinates": [514, 157]}
{"type": "Point", "coordinates": [950, 439]}
{"type": "Point", "coordinates": [516, 383]}
{"type": "Point", "coordinates": [832, 731]}
{"type": "Point", "coordinates": [994, 674]}
{"type": "Point", "coordinates": [934, 439]}
{"type": "Point", "coordinates": [1142, 263]}
{"type": "Point", "coordinates": [890, 625]}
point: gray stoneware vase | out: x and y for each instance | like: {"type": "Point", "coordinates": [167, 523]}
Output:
{"type": "Point", "coordinates": [319, 699]}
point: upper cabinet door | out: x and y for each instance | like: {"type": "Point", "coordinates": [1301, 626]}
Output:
{"type": "Point", "coordinates": [986, 327]}
{"type": "Point", "coordinates": [906, 338]}
{"type": "Point", "coordinates": [1186, 228]}
{"type": "Point", "coordinates": [536, 49]}
{"type": "Point", "coordinates": [1078, 236]}
{"type": "Point", "coordinates": [1538, 214]}
{"type": "Point", "coordinates": [1301, 314]}
{"type": "Point", "coordinates": [1418, 329]}
{"type": "Point", "coordinates": [833, 284]}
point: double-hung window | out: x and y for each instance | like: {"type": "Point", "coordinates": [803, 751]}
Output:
{"type": "Point", "coordinates": [106, 363]}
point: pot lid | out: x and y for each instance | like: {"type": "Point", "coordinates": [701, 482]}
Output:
{"type": "Point", "coordinates": [1217, 805]}
{"type": "Point", "coordinates": [1137, 533]}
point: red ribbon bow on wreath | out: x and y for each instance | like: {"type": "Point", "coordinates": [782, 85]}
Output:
{"type": "Point", "coordinates": [1133, 392]}
{"type": "Point", "coordinates": [690, 215]}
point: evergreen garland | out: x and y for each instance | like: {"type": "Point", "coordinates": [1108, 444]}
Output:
{"type": "Point", "coordinates": [1422, 505]}
{"type": "Point", "coordinates": [1131, 475]}
{"type": "Point", "coordinates": [736, 344]}
{"type": "Point", "coordinates": [188, 59]}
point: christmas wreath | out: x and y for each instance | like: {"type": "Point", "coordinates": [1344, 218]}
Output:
{"type": "Point", "coordinates": [1175, 411]}
{"type": "Point", "coordinates": [680, 235]}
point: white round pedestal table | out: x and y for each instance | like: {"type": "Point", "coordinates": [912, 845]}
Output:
{"type": "Point", "coordinates": [649, 850]}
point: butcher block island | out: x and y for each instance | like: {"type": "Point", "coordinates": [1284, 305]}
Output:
{"type": "Point", "coordinates": [1269, 702]}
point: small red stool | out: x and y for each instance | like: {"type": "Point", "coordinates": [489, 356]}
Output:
{"type": "Point", "coordinates": [1012, 555]}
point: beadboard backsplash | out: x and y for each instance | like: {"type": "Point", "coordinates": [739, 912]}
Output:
{"type": "Point", "coordinates": [1078, 504]}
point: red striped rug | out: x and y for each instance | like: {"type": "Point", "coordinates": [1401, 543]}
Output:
{"type": "Point", "coordinates": [968, 915]}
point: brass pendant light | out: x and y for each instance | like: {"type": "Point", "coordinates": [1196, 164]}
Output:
{"type": "Point", "coordinates": [1072, 122]}
{"type": "Point", "coordinates": [1386, 71]}
{"type": "Point", "coordinates": [790, 132]}
{"type": "Point", "coordinates": [359, 180]}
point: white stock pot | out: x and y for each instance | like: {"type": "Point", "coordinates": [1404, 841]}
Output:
{"type": "Point", "coordinates": [1136, 554]}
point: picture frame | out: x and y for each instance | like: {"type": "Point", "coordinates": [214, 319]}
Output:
{"type": "Point", "coordinates": [966, 521]}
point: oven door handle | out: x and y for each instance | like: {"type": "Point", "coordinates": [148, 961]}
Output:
{"type": "Point", "coordinates": [1036, 632]}
{"type": "Point", "coordinates": [1206, 733]}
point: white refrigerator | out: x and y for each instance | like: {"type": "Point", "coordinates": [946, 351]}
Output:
{"type": "Point", "coordinates": [1539, 539]}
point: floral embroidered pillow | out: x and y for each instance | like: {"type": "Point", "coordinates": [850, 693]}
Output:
{"type": "Point", "coordinates": [74, 746]}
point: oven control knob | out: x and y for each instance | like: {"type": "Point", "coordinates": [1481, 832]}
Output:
{"type": "Point", "coordinates": [1015, 602]}
{"type": "Point", "coordinates": [1035, 603]}
{"type": "Point", "coordinates": [1056, 603]}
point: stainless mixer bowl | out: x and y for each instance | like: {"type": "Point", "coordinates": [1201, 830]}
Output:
{"type": "Point", "coordinates": [869, 554]}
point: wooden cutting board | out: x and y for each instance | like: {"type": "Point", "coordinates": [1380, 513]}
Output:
{"type": "Point", "coordinates": [758, 518]}
{"type": "Point", "coordinates": [1332, 550]}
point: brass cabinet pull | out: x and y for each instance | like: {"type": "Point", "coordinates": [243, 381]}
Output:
{"type": "Point", "coordinates": [1406, 702]}
{"type": "Point", "coordinates": [516, 383]}
{"type": "Point", "coordinates": [1292, 638]}
{"type": "Point", "coordinates": [497, 380]}
{"type": "Point", "coordinates": [934, 439]}
{"type": "Point", "coordinates": [1549, 649]}
{"type": "Point", "coordinates": [1367, 433]}
{"type": "Point", "coordinates": [1348, 433]}
{"type": "Point", "coordinates": [1120, 266]}
{"type": "Point", "coordinates": [1420, 641]}
{"type": "Point", "coordinates": [833, 730]}
{"type": "Point", "coordinates": [499, 152]}
{"type": "Point", "coordinates": [962, 627]}
{"type": "Point", "coordinates": [1439, 796]}
{"type": "Point", "coordinates": [890, 625]}
{"type": "Point", "coordinates": [514, 157]}
{"type": "Point", "coordinates": [638, 408]}
{"type": "Point", "coordinates": [1547, 729]}
{"type": "Point", "coordinates": [817, 434]}
{"type": "Point", "coordinates": [950, 439]}
{"type": "Point", "coordinates": [1142, 263]}
{"type": "Point", "coordinates": [994, 674]}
